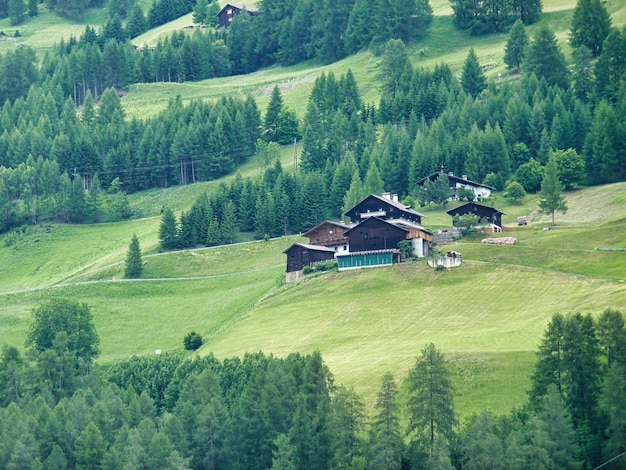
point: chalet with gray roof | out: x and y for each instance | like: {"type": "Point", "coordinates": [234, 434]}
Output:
{"type": "Point", "coordinates": [300, 255]}
{"type": "Point", "coordinates": [484, 213]}
{"type": "Point", "coordinates": [230, 10]}
{"type": "Point", "coordinates": [383, 207]}
{"type": "Point", "coordinates": [457, 183]}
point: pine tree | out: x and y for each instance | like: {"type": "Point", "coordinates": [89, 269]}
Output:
{"type": "Point", "coordinates": [516, 46]}
{"type": "Point", "coordinates": [134, 263]}
{"type": "Point", "coordinates": [473, 79]}
{"type": "Point", "coordinates": [551, 187]}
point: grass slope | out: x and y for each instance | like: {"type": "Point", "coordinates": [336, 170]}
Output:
{"type": "Point", "coordinates": [487, 316]}
{"type": "Point", "coordinates": [443, 43]}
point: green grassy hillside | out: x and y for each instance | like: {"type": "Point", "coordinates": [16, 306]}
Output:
{"type": "Point", "coordinates": [487, 316]}
{"type": "Point", "coordinates": [442, 43]}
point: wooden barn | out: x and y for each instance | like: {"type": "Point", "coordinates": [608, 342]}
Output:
{"type": "Point", "coordinates": [230, 10]}
{"type": "Point", "coordinates": [300, 255]}
{"type": "Point", "coordinates": [374, 242]}
{"type": "Point", "coordinates": [457, 183]}
{"type": "Point", "coordinates": [375, 234]}
{"type": "Point", "coordinates": [484, 213]}
{"type": "Point", "coordinates": [383, 207]}
{"type": "Point", "coordinates": [329, 234]}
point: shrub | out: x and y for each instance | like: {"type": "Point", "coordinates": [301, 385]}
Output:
{"type": "Point", "coordinates": [440, 267]}
{"type": "Point", "coordinates": [325, 266]}
{"type": "Point", "coordinates": [192, 341]}
{"type": "Point", "coordinates": [515, 191]}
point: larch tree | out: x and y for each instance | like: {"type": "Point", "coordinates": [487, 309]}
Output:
{"type": "Point", "coordinates": [612, 336]}
{"type": "Point", "coordinates": [386, 444]}
{"type": "Point", "coordinates": [430, 403]}
{"type": "Point", "coordinates": [134, 263]}
{"type": "Point", "coordinates": [551, 188]}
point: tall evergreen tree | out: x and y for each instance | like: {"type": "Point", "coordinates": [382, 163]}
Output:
{"type": "Point", "coordinates": [430, 398]}
{"type": "Point", "coordinates": [134, 263]}
{"type": "Point", "coordinates": [591, 24]}
{"type": "Point", "coordinates": [386, 444]}
{"type": "Point", "coordinates": [272, 116]}
{"type": "Point", "coordinates": [545, 59]}
{"type": "Point", "coordinates": [551, 188]}
{"type": "Point", "coordinates": [168, 230]}
{"type": "Point", "coordinates": [516, 46]}
{"type": "Point", "coordinates": [373, 183]}
{"type": "Point", "coordinates": [613, 406]}
{"type": "Point", "coordinates": [473, 79]}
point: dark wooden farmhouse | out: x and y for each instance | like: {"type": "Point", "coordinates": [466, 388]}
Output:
{"type": "Point", "coordinates": [230, 10]}
{"type": "Point", "coordinates": [329, 234]}
{"type": "Point", "coordinates": [375, 234]}
{"type": "Point", "coordinates": [300, 255]}
{"type": "Point", "coordinates": [383, 207]}
{"type": "Point", "coordinates": [484, 213]}
{"type": "Point", "coordinates": [379, 223]}
{"type": "Point", "coordinates": [457, 183]}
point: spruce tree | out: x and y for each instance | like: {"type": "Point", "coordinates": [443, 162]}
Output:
{"type": "Point", "coordinates": [473, 79]}
{"type": "Point", "coordinates": [516, 46]}
{"type": "Point", "coordinates": [134, 264]}
{"type": "Point", "coordinates": [272, 115]}
{"type": "Point", "coordinates": [551, 187]}
{"type": "Point", "coordinates": [545, 59]}
{"type": "Point", "coordinates": [591, 24]}
{"type": "Point", "coordinates": [168, 231]}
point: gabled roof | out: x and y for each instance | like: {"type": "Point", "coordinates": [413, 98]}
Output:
{"type": "Point", "coordinates": [327, 222]}
{"type": "Point", "coordinates": [310, 247]}
{"type": "Point", "coordinates": [471, 207]}
{"type": "Point", "coordinates": [407, 225]}
{"type": "Point", "coordinates": [251, 9]}
{"type": "Point", "coordinates": [390, 202]}
{"type": "Point", "coordinates": [368, 221]}
{"type": "Point", "coordinates": [453, 179]}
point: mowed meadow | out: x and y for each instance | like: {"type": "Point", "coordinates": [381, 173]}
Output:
{"type": "Point", "coordinates": [487, 316]}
